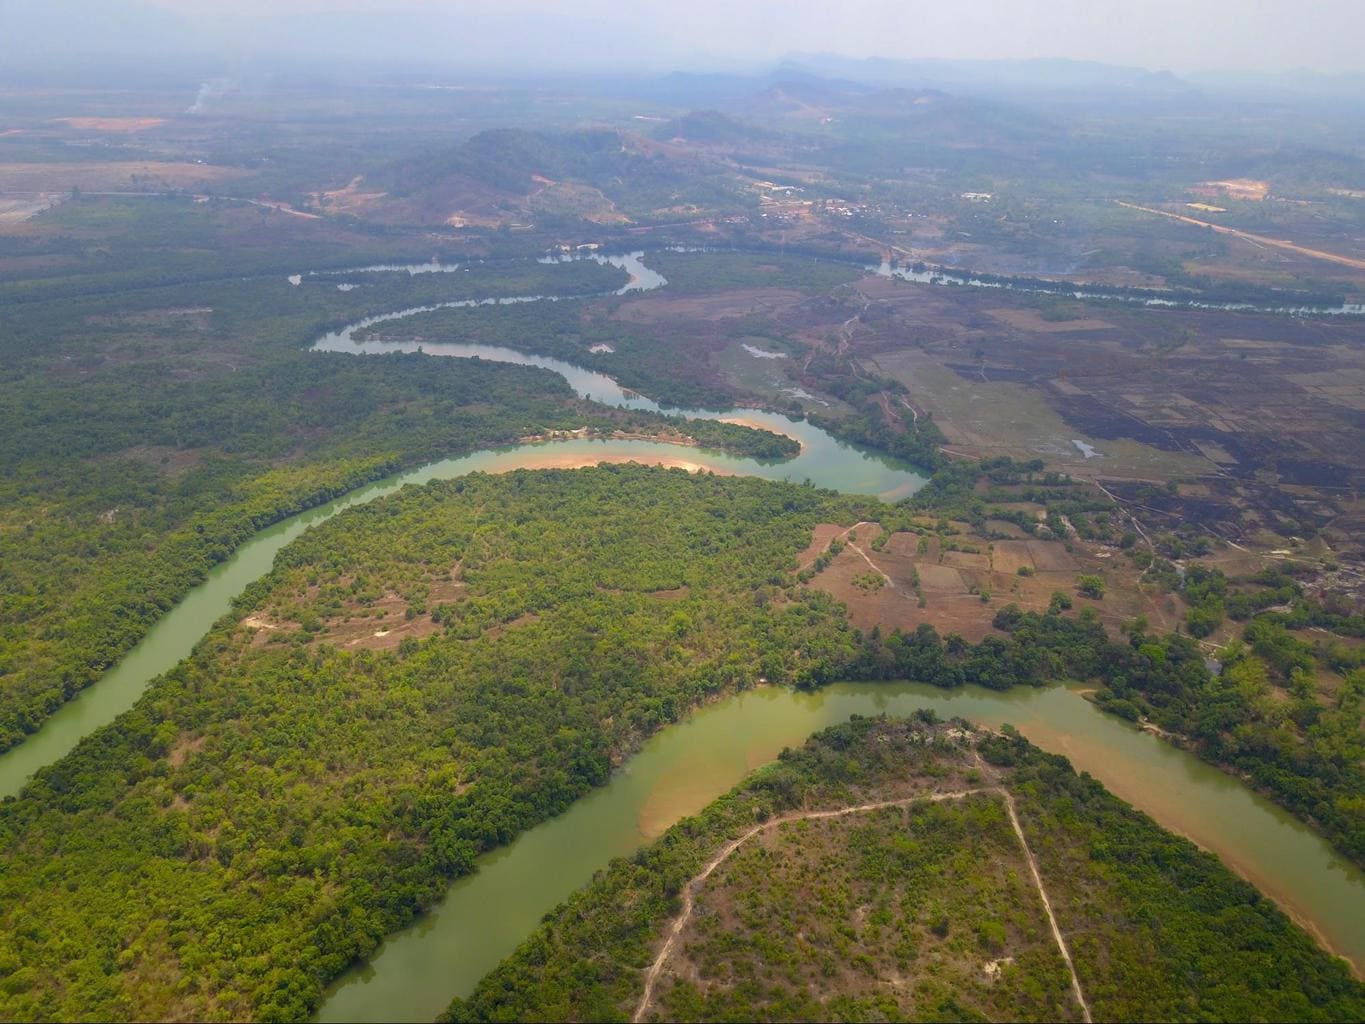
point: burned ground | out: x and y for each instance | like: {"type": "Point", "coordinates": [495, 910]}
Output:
{"type": "Point", "coordinates": [1265, 412]}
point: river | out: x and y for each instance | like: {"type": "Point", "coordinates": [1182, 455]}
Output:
{"type": "Point", "coordinates": [486, 914]}
{"type": "Point", "coordinates": [483, 917]}
{"type": "Point", "coordinates": [824, 460]}
{"type": "Point", "coordinates": [1097, 293]}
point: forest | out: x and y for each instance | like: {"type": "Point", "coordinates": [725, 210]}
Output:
{"type": "Point", "coordinates": [568, 615]}
{"type": "Point", "coordinates": [423, 679]}
{"type": "Point", "coordinates": [135, 463]}
{"type": "Point", "coordinates": [1158, 929]}
{"type": "Point", "coordinates": [164, 867]}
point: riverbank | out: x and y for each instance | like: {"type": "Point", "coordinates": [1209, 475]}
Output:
{"type": "Point", "coordinates": [681, 440]}
{"type": "Point", "coordinates": [683, 767]}
{"type": "Point", "coordinates": [892, 885]}
{"type": "Point", "coordinates": [173, 636]}
{"type": "Point", "coordinates": [838, 466]}
{"type": "Point", "coordinates": [753, 423]}
{"type": "Point", "coordinates": [820, 458]}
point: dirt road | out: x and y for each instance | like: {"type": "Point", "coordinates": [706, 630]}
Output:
{"type": "Point", "coordinates": [1277, 243]}
{"type": "Point", "coordinates": [694, 885]}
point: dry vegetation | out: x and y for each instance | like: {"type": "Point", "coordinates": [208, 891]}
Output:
{"type": "Point", "coordinates": [116, 125]}
{"type": "Point", "coordinates": [356, 616]}
{"type": "Point", "coordinates": [908, 907]}
{"type": "Point", "coordinates": [120, 176]}
{"type": "Point", "coordinates": [960, 591]}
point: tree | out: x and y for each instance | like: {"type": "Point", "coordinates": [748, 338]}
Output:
{"type": "Point", "coordinates": [1090, 586]}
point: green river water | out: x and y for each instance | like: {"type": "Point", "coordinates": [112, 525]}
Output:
{"type": "Point", "coordinates": [483, 916]}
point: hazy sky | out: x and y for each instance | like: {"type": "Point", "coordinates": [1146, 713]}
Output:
{"type": "Point", "coordinates": [1180, 35]}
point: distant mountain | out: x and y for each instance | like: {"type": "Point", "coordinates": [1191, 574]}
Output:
{"type": "Point", "coordinates": [515, 176]}
{"type": "Point", "coordinates": [898, 115]}
{"type": "Point", "coordinates": [709, 126]}
{"type": "Point", "coordinates": [510, 159]}
{"type": "Point", "coordinates": [1053, 80]}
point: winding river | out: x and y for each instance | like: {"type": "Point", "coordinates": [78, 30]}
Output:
{"type": "Point", "coordinates": [1095, 293]}
{"type": "Point", "coordinates": [484, 915]}
{"type": "Point", "coordinates": [823, 460]}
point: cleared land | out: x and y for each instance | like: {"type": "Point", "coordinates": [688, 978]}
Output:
{"type": "Point", "coordinates": [130, 175]}
{"type": "Point", "coordinates": [928, 582]}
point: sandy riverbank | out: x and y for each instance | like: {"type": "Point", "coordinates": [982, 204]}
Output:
{"type": "Point", "coordinates": [753, 424]}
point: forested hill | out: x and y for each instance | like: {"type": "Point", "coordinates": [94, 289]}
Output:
{"type": "Point", "coordinates": [511, 159]}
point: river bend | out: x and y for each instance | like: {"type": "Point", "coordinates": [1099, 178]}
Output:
{"type": "Point", "coordinates": [486, 914]}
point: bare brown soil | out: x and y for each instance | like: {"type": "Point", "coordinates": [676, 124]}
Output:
{"type": "Point", "coordinates": [117, 125]}
{"type": "Point", "coordinates": [378, 625]}
{"type": "Point", "coordinates": [1242, 188]}
{"type": "Point", "coordinates": [823, 534]}
{"type": "Point", "coordinates": [952, 582]}
{"type": "Point", "coordinates": [184, 747]}
{"type": "Point", "coordinates": [352, 199]}
{"type": "Point", "coordinates": [169, 462]}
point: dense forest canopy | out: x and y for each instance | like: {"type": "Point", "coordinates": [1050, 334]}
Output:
{"type": "Point", "coordinates": [126, 483]}
{"type": "Point", "coordinates": [259, 778]}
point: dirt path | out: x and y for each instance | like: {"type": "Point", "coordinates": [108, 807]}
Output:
{"type": "Point", "coordinates": [1047, 905]}
{"type": "Point", "coordinates": [841, 535]}
{"type": "Point", "coordinates": [892, 417]}
{"type": "Point", "coordinates": [694, 884]}
{"type": "Point", "coordinates": [856, 526]}
{"type": "Point", "coordinates": [1123, 510]}
{"type": "Point", "coordinates": [1247, 236]}
{"type": "Point", "coordinates": [899, 250]}
{"type": "Point", "coordinates": [282, 208]}
{"type": "Point", "coordinates": [847, 328]}
{"type": "Point", "coordinates": [871, 564]}
{"type": "Point", "coordinates": [875, 568]}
